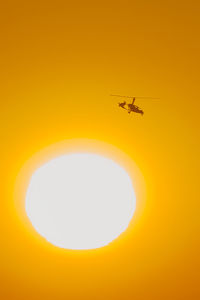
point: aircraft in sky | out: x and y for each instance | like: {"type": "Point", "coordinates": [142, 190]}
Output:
{"type": "Point", "coordinates": [131, 107]}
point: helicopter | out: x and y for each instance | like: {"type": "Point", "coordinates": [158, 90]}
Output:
{"type": "Point", "coordinates": [131, 107]}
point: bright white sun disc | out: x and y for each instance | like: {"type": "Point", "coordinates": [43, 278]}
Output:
{"type": "Point", "coordinates": [80, 201]}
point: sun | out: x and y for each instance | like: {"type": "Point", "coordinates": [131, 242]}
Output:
{"type": "Point", "coordinates": [80, 201]}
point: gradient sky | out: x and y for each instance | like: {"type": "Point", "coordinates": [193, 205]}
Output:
{"type": "Point", "coordinates": [59, 62]}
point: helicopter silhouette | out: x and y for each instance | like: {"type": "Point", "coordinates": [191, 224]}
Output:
{"type": "Point", "coordinates": [131, 107]}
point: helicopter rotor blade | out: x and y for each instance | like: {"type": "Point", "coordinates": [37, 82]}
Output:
{"type": "Point", "coordinates": [121, 96]}
{"type": "Point", "coordinates": [134, 97]}
{"type": "Point", "coordinates": [147, 97]}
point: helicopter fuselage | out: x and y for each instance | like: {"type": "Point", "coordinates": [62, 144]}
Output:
{"type": "Point", "coordinates": [134, 108]}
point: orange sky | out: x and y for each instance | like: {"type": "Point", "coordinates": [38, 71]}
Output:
{"type": "Point", "coordinates": [59, 63]}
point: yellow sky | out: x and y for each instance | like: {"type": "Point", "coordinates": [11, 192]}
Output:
{"type": "Point", "coordinates": [59, 63]}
